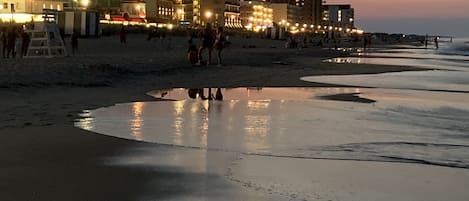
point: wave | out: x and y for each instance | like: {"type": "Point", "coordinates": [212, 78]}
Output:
{"type": "Point", "coordinates": [448, 155]}
{"type": "Point", "coordinates": [456, 48]}
{"type": "Point", "coordinates": [392, 152]}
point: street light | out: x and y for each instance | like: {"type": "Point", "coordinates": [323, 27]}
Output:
{"type": "Point", "coordinates": [208, 14]}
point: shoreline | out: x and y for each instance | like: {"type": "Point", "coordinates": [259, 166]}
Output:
{"type": "Point", "coordinates": [46, 158]}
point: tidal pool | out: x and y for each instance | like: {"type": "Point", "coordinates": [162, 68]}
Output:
{"type": "Point", "coordinates": [401, 126]}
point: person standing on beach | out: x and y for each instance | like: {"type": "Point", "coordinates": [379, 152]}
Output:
{"type": "Point", "coordinates": [74, 41]}
{"type": "Point", "coordinates": [3, 41]}
{"type": "Point", "coordinates": [426, 41]}
{"type": "Point", "coordinates": [11, 42]}
{"type": "Point", "coordinates": [219, 43]}
{"type": "Point", "coordinates": [365, 42]}
{"type": "Point", "coordinates": [123, 35]}
{"type": "Point", "coordinates": [436, 42]}
{"type": "Point", "coordinates": [208, 40]}
{"type": "Point", "coordinates": [25, 43]}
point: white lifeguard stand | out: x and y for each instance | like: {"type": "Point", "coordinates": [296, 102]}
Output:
{"type": "Point", "coordinates": [46, 41]}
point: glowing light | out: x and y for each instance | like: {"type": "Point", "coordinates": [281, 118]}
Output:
{"type": "Point", "coordinates": [208, 14]}
{"type": "Point", "coordinates": [20, 17]}
{"type": "Point", "coordinates": [138, 7]}
{"type": "Point", "coordinates": [85, 3]}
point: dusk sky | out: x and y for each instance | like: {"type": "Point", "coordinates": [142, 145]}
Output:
{"type": "Point", "coordinates": [445, 17]}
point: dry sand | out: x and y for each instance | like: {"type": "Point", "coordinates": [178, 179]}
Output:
{"type": "Point", "coordinates": [44, 157]}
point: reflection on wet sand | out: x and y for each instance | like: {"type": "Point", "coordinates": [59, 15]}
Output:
{"type": "Point", "coordinates": [302, 125]}
{"type": "Point", "coordinates": [137, 121]}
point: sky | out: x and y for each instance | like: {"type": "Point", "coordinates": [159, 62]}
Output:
{"type": "Point", "coordinates": [435, 17]}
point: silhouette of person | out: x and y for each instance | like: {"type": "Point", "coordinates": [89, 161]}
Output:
{"type": "Point", "coordinates": [123, 35]}
{"type": "Point", "coordinates": [208, 40]}
{"type": "Point", "coordinates": [3, 41]}
{"type": "Point", "coordinates": [25, 43]}
{"type": "Point", "coordinates": [74, 41]}
{"type": "Point", "coordinates": [219, 43]}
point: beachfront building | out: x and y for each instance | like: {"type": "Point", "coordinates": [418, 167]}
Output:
{"type": "Point", "coordinates": [22, 11]}
{"type": "Point", "coordinates": [224, 13]}
{"type": "Point", "coordinates": [287, 16]}
{"type": "Point", "coordinates": [339, 16]}
{"type": "Point", "coordinates": [232, 14]}
{"type": "Point", "coordinates": [256, 15]}
{"type": "Point", "coordinates": [306, 11]}
{"type": "Point", "coordinates": [160, 11]}
{"type": "Point", "coordinates": [312, 12]}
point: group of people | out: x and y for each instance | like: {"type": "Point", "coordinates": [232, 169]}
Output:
{"type": "Point", "coordinates": [210, 40]}
{"type": "Point", "coordinates": [14, 40]}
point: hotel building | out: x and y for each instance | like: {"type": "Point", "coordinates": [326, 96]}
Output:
{"type": "Point", "coordinates": [225, 13]}
{"type": "Point", "coordinates": [21, 11]}
{"type": "Point", "coordinates": [256, 15]}
{"type": "Point", "coordinates": [340, 15]}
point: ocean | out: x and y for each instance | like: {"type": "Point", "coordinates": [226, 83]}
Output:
{"type": "Point", "coordinates": [405, 117]}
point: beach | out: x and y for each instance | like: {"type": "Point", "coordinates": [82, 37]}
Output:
{"type": "Point", "coordinates": [45, 157]}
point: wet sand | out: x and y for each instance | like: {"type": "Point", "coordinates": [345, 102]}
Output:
{"type": "Point", "coordinates": [44, 157]}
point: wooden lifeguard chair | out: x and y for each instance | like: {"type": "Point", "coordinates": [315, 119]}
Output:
{"type": "Point", "coordinates": [46, 40]}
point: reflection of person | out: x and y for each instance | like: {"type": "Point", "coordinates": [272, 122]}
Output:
{"type": "Point", "coordinates": [195, 93]}
{"type": "Point", "coordinates": [218, 95]}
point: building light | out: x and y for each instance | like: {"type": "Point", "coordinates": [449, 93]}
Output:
{"type": "Point", "coordinates": [85, 3]}
{"type": "Point", "coordinates": [339, 16]}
